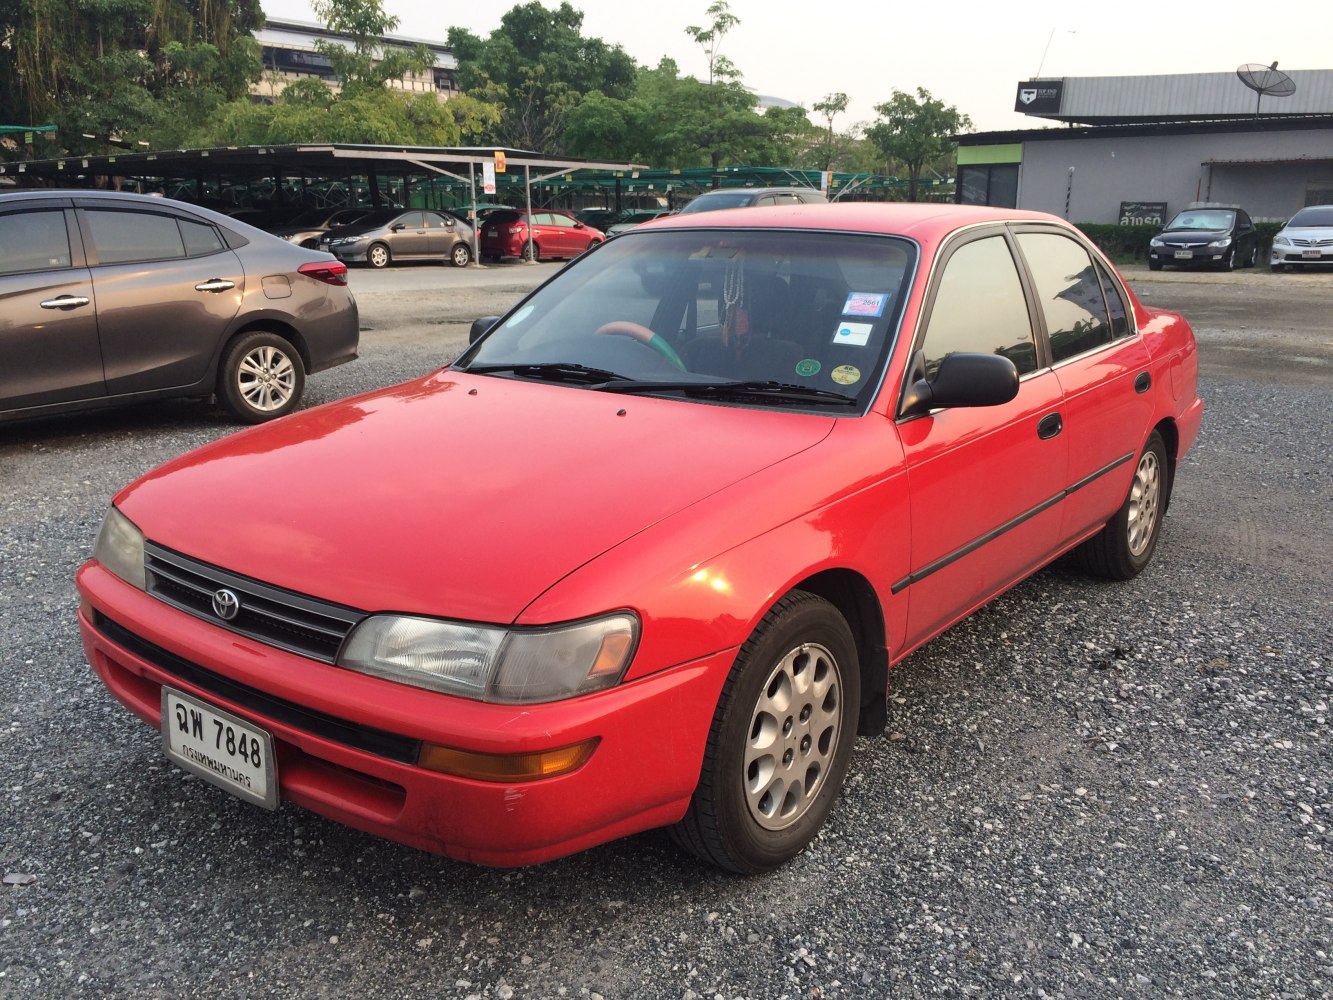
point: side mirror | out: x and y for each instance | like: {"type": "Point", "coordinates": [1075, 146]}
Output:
{"type": "Point", "coordinates": [397, 227]}
{"type": "Point", "coordinates": [578, 224]}
{"type": "Point", "coordinates": [480, 328]}
{"type": "Point", "coordinates": [963, 379]}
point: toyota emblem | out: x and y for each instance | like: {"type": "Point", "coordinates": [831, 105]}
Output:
{"type": "Point", "coordinates": [226, 605]}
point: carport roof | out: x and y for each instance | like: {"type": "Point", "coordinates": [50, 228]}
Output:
{"type": "Point", "coordinates": [332, 160]}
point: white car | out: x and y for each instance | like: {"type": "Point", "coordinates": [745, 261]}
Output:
{"type": "Point", "coordinates": [1306, 239]}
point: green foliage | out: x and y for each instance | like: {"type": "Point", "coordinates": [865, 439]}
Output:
{"type": "Point", "coordinates": [916, 131]}
{"type": "Point", "coordinates": [537, 67]}
{"type": "Point", "coordinates": [367, 64]}
{"type": "Point", "coordinates": [722, 20]}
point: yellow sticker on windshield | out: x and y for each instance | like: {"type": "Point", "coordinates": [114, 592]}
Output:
{"type": "Point", "coordinates": [846, 374]}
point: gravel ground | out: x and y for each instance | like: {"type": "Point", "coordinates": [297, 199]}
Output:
{"type": "Point", "coordinates": [1086, 791]}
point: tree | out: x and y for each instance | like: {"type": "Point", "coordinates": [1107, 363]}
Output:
{"type": "Point", "coordinates": [830, 107]}
{"type": "Point", "coordinates": [369, 63]}
{"type": "Point", "coordinates": [710, 38]}
{"type": "Point", "coordinates": [916, 131]}
{"type": "Point", "coordinates": [537, 66]}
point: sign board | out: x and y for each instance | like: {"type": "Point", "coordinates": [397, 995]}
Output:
{"type": "Point", "coordinates": [499, 161]}
{"type": "Point", "coordinates": [1039, 97]}
{"type": "Point", "coordinates": [1143, 213]}
{"type": "Point", "coordinates": [488, 178]}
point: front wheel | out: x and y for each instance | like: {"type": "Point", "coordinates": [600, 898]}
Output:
{"type": "Point", "coordinates": [1126, 544]}
{"type": "Point", "coordinates": [460, 255]}
{"type": "Point", "coordinates": [1154, 265]}
{"type": "Point", "coordinates": [262, 377]}
{"type": "Point", "coordinates": [378, 256]}
{"type": "Point", "coordinates": [780, 741]}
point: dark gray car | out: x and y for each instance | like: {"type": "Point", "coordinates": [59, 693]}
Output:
{"type": "Point", "coordinates": [116, 298]}
{"type": "Point", "coordinates": [401, 234]}
{"type": "Point", "coordinates": [754, 197]}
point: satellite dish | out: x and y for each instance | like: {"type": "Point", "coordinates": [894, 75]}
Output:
{"type": "Point", "coordinates": [1265, 80]}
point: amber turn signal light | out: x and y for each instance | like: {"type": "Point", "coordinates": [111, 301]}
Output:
{"type": "Point", "coordinates": [506, 766]}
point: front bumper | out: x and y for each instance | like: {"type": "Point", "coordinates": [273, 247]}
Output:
{"type": "Point", "coordinates": [346, 743]}
{"type": "Point", "coordinates": [1296, 256]}
{"type": "Point", "coordinates": [1198, 256]}
{"type": "Point", "coordinates": [353, 254]}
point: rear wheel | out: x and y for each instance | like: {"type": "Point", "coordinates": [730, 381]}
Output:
{"type": "Point", "coordinates": [780, 742]}
{"type": "Point", "coordinates": [1126, 544]}
{"type": "Point", "coordinates": [378, 256]}
{"type": "Point", "coordinates": [262, 377]}
{"type": "Point", "coordinates": [531, 252]}
{"type": "Point", "coordinates": [460, 255]}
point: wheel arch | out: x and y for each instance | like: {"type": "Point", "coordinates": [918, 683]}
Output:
{"type": "Point", "coordinates": [855, 599]}
{"type": "Point", "coordinates": [271, 325]}
{"type": "Point", "coordinates": [1170, 434]}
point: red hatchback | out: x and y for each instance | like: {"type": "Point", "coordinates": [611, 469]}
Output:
{"type": "Point", "coordinates": [554, 235]}
{"type": "Point", "coordinates": [705, 488]}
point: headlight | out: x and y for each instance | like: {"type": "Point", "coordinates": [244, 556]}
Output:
{"type": "Point", "coordinates": [494, 664]}
{"type": "Point", "coordinates": [342, 241]}
{"type": "Point", "coordinates": [1155, 242]}
{"type": "Point", "coordinates": [119, 548]}
{"type": "Point", "coordinates": [1281, 241]}
{"type": "Point", "coordinates": [1220, 244]}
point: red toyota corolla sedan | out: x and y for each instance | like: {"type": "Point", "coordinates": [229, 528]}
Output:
{"type": "Point", "coordinates": [645, 555]}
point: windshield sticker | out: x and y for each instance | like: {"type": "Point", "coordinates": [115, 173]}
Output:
{"type": "Point", "coordinates": [846, 374]}
{"type": "Point", "coordinates": [853, 334]}
{"type": "Point", "coordinates": [808, 367]}
{"type": "Point", "coordinates": [865, 304]}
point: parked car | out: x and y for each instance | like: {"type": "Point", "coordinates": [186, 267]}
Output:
{"type": "Point", "coordinates": [554, 234]}
{"type": "Point", "coordinates": [633, 219]}
{"type": "Point", "coordinates": [1306, 239]}
{"type": "Point", "coordinates": [392, 234]}
{"type": "Point", "coordinates": [306, 228]}
{"type": "Point", "coordinates": [598, 218]}
{"type": "Point", "coordinates": [118, 298]}
{"type": "Point", "coordinates": [1221, 238]}
{"type": "Point", "coordinates": [680, 540]}
{"type": "Point", "coordinates": [754, 198]}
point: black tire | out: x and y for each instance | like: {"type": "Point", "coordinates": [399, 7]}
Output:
{"type": "Point", "coordinates": [460, 255]}
{"type": "Point", "coordinates": [1276, 268]}
{"type": "Point", "coordinates": [1254, 256]}
{"type": "Point", "coordinates": [785, 722]}
{"type": "Point", "coordinates": [531, 252]}
{"type": "Point", "coordinates": [1154, 265]}
{"type": "Point", "coordinates": [378, 256]}
{"type": "Point", "coordinates": [490, 259]}
{"type": "Point", "coordinates": [261, 377]}
{"type": "Point", "coordinates": [310, 244]}
{"type": "Point", "coordinates": [1127, 543]}
{"type": "Point", "coordinates": [1230, 263]}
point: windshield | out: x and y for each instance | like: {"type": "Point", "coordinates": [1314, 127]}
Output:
{"type": "Point", "coordinates": [810, 311]}
{"type": "Point", "coordinates": [1207, 220]}
{"type": "Point", "coordinates": [374, 220]}
{"type": "Point", "coordinates": [723, 199]}
{"type": "Point", "coordinates": [1317, 217]}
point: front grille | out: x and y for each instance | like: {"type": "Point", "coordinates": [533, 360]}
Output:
{"type": "Point", "coordinates": [392, 746]}
{"type": "Point", "coordinates": [1313, 243]}
{"type": "Point", "coordinates": [275, 617]}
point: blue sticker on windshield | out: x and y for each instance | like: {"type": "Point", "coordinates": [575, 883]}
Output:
{"type": "Point", "coordinates": [865, 303]}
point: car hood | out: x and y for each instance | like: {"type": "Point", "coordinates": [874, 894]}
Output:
{"type": "Point", "coordinates": [455, 495]}
{"type": "Point", "coordinates": [1315, 234]}
{"type": "Point", "coordinates": [1193, 235]}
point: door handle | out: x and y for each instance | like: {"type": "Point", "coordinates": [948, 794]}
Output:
{"type": "Point", "coordinates": [215, 285]}
{"type": "Point", "coordinates": [1143, 383]}
{"type": "Point", "coordinates": [66, 302]}
{"type": "Point", "coordinates": [1049, 426]}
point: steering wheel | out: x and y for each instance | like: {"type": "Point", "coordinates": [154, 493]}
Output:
{"type": "Point", "coordinates": [639, 332]}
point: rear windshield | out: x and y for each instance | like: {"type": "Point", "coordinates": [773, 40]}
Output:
{"type": "Point", "coordinates": [726, 199]}
{"type": "Point", "coordinates": [501, 218]}
{"type": "Point", "coordinates": [1315, 217]}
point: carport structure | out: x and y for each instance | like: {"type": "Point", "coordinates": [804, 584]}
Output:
{"type": "Point", "coordinates": [424, 175]}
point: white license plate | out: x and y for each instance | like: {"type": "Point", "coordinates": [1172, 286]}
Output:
{"type": "Point", "coordinates": [1315, 254]}
{"type": "Point", "coordinates": [1184, 255]}
{"type": "Point", "coordinates": [219, 747]}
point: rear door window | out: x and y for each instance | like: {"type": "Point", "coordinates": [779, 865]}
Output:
{"type": "Point", "coordinates": [124, 237]}
{"type": "Point", "coordinates": [1069, 292]}
{"type": "Point", "coordinates": [199, 238]}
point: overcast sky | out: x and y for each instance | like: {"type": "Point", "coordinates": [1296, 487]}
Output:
{"type": "Point", "coordinates": [968, 53]}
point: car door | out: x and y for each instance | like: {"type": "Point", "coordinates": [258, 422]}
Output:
{"type": "Point", "coordinates": [984, 482]}
{"type": "Point", "coordinates": [1104, 373]}
{"type": "Point", "coordinates": [49, 348]}
{"type": "Point", "coordinates": [167, 290]}
{"type": "Point", "coordinates": [408, 236]}
{"type": "Point", "coordinates": [439, 234]}
{"type": "Point", "coordinates": [573, 237]}
{"type": "Point", "coordinates": [552, 238]}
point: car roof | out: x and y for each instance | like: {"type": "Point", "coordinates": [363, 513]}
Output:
{"type": "Point", "coordinates": [927, 222]}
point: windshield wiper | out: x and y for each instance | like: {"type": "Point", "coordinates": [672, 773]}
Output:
{"type": "Point", "coordinates": [552, 371]}
{"type": "Point", "coordinates": [776, 391]}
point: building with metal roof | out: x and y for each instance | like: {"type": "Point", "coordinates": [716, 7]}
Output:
{"type": "Point", "coordinates": [1141, 148]}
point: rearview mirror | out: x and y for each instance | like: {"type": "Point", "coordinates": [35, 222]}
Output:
{"type": "Point", "coordinates": [963, 379]}
{"type": "Point", "coordinates": [479, 328]}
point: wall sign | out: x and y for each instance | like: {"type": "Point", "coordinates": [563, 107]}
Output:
{"type": "Point", "coordinates": [1143, 213]}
